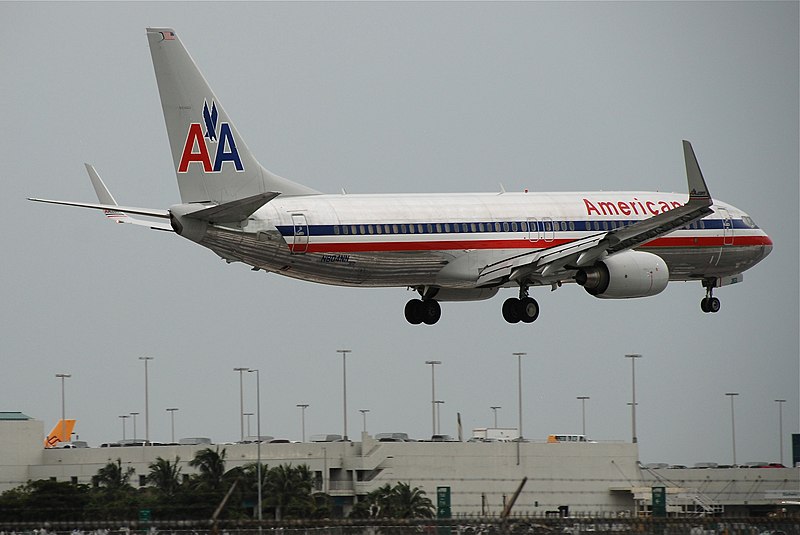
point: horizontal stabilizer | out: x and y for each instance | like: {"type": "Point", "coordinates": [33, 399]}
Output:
{"type": "Point", "coordinates": [234, 211]}
{"type": "Point", "coordinates": [149, 212]}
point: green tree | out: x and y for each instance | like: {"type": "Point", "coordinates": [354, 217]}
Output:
{"type": "Point", "coordinates": [399, 501]}
{"type": "Point", "coordinates": [113, 477]}
{"type": "Point", "coordinates": [211, 467]}
{"type": "Point", "coordinates": [165, 476]}
{"type": "Point", "coordinates": [44, 500]}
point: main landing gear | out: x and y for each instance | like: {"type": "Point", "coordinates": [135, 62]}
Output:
{"type": "Point", "coordinates": [710, 303]}
{"type": "Point", "coordinates": [524, 309]}
{"type": "Point", "coordinates": [427, 311]}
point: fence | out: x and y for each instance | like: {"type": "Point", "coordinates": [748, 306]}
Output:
{"type": "Point", "coordinates": [461, 526]}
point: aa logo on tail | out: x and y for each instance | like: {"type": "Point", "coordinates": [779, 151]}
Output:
{"type": "Point", "coordinates": [199, 145]}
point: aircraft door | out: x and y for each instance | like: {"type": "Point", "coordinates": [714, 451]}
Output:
{"type": "Point", "coordinates": [300, 234]}
{"type": "Point", "coordinates": [549, 229]}
{"type": "Point", "coordinates": [727, 226]}
{"type": "Point", "coordinates": [533, 229]}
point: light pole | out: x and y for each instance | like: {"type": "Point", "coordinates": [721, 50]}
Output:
{"type": "Point", "coordinates": [519, 404]}
{"type": "Point", "coordinates": [171, 412]}
{"type": "Point", "coordinates": [583, 412]}
{"type": "Point", "coordinates": [433, 364]}
{"type": "Point", "coordinates": [733, 425]}
{"type": "Point", "coordinates": [494, 409]}
{"type": "Point", "coordinates": [134, 414]}
{"type": "Point", "coordinates": [146, 404]}
{"type": "Point", "coordinates": [344, 353]}
{"type": "Point", "coordinates": [303, 407]}
{"type": "Point", "coordinates": [780, 403]}
{"type": "Point", "coordinates": [64, 436]}
{"type": "Point", "coordinates": [248, 414]}
{"type": "Point", "coordinates": [124, 417]}
{"type": "Point", "coordinates": [364, 419]}
{"type": "Point", "coordinates": [633, 358]}
{"type": "Point", "coordinates": [258, 441]}
{"type": "Point", "coordinates": [241, 401]}
{"type": "Point", "coordinates": [439, 404]}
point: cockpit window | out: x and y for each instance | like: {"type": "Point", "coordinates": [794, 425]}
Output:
{"type": "Point", "coordinates": [748, 221]}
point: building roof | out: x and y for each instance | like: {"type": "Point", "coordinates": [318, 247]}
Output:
{"type": "Point", "coordinates": [10, 415]}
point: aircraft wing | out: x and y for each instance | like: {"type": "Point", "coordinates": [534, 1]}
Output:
{"type": "Point", "coordinates": [570, 256]}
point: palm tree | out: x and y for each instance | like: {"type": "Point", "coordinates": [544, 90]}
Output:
{"type": "Point", "coordinates": [289, 488]}
{"type": "Point", "coordinates": [165, 476]}
{"type": "Point", "coordinates": [211, 465]}
{"type": "Point", "coordinates": [410, 503]}
{"type": "Point", "coordinates": [400, 501]}
{"type": "Point", "coordinates": [113, 477]}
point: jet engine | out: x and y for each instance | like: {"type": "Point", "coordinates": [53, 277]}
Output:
{"type": "Point", "coordinates": [626, 274]}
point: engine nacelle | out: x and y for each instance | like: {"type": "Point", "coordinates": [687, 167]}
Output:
{"type": "Point", "coordinates": [626, 274]}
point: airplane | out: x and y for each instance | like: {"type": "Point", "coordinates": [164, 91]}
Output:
{"type": "Point", "coordinates": [446, 247]}
{"type": "Point", "coordinates": [61, 433]}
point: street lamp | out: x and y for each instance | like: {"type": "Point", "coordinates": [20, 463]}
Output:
{"type": "Point", "coordinates": [364, 419]}
{"type": "Point", "coordinates": [433, 364]}
{"type": "Point", "coordinates": [439, 404]}
{"type": "Point", "coordinates": [303, 407]}
{"type": "Point", "coordinates": [248, 414]}
{"type": "Point", "coordinates": [344, 353]}
{"type": "Point", "coordinates": [124, 417]}
{"type": "Point", "coordinates": [134, 414]}
{"type": "Point", "coordinates": [171, 412]}
{"type": "Point", "coordinates": [258, 442]}
{"type": "Point", "coordinates": [146, 404]}
{"type": "Point", "coordinates": [519, 389]}
{"type": "Point", "coordinates": [733, 425]}
{"type": "Point", "coordinates": [583, 411]}
{"type": "Point", "coordinates": [241, 401]}
{"type": "Point", "coordinates": [780, 403]}
{"type": "Point", "coordinates": [64, 436]}
{"type": "Point", "coordinates": [633, 358]}
{"type": "Point", "coordinates": [494, 409]}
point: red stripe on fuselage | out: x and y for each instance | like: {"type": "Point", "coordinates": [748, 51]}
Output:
{"type": "Point", "coordinates": [448, 245]}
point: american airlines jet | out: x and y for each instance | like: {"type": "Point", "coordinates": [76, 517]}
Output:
{"type": "Point", "coordinates": [446, 247]}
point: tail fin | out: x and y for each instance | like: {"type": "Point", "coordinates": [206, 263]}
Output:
{"type": "Point", "coordinates": [212, 162]}
{"type": "Point", "coordinates": [61, 432]}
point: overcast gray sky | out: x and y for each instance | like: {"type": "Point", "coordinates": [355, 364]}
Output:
{"type": "Point", "coordinates": [398, 97]}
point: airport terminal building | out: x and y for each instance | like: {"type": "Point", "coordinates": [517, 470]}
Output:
{"type": "Point", "coordinates": [578, 478]}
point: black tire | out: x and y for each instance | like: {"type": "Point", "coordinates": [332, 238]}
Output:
{"type": "Point", "coordinates": [431, 311]}
{"type": "Point", "coordinates": [704, 305]}
{"type": "Point", "coordinates": [528, 310]}
{"type": "Point", "coordinates": [511, 310]}
{"type": "Point", "coordinates": [413, 311]}
{"type": "Point", "coordinates": [714, 305]}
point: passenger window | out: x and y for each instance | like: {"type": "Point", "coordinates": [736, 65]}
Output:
{"type": "Point", "coordinates": [505, 227]}
{"type": "Point", "coordinates": [439, 228]}
{"type": "Point", "coordinates": [344, 229]}
{"type": "Point", "coordinates": [378, 229]}
{"type": "Point", "coordinates": [572, 225]}
{"type": "Point", "coordinates": [473, 227]}
{"type": "Point", "coordinates": [497, 227]}
{"type": "Point", "coordinates": [447, 227]}
{"type": "Point", "coordinates": [420, 229]}
{"type": "Point", "coordinates": [410, 229]}
{"type": "Point", "coordinates": [336, 229]}
{"type": "Point", "coordinates": [513, 226]}
{"type": "Point", "coordinates": [362, 230]}
{"type": "Point", "coordinates": [394, 229]}
{"type": "Point", "coordinates": [480, 227]}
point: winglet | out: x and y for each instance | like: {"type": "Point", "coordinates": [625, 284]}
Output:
{"type": "Point", "coordinates": [697, 184]}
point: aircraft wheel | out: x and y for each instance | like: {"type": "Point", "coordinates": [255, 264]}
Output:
{"type": "Point", "coordinates": [431, 311]}
{"type": "Point", "coordinates": [704, 305]}
{"type": "Point", "coordinates": [413, 311]}
{"type": "Point", "coordinates": [528, 309]}
{"type": "Point", "coordinates": [511, 310]}
{"type": "Point", "coordinates": [713, 305]}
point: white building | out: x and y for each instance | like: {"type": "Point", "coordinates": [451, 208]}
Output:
{"type": "Point", "coordinates": [586, 477]}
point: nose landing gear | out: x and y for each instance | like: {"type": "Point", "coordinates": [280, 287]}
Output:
{"type": "Point", "coordinates": [710, 303]}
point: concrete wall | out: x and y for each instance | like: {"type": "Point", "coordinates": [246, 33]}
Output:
{"type": "Point", "coordinates": [21, 446]}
